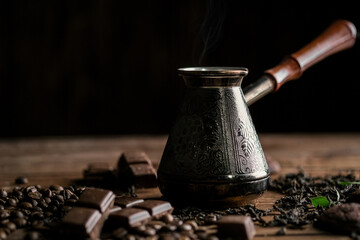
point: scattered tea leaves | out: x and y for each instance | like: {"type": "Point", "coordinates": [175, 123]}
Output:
{"type": "Point", "coordinates": [320, 201]}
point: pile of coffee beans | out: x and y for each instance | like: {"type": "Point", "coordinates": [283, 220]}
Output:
{"type": "Point", "coordinates": [166, 227]}
{"type": "Point", "coordinates": [34, 206]}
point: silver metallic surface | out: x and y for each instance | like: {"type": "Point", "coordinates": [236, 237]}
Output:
{"type": "Point", "coordinates": [259, 89]}
{"type": "Point", "coordinates": [213, 149]}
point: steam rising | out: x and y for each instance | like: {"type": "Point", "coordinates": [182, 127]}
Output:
{"type": "Point", "coordinates": [212, 26]}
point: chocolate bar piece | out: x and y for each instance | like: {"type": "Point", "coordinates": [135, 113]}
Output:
{"type": "Point", "coordinates": [241, 227]}
{"type": "Point", "coordinates": [100, 199]}
{"type": "Point", "coordinates": [100, 169]}
{"type": "Point", "coordinates": [156, 208]}
{"type": "Point", "coordinates": [143, 175]}
{"type": "Point", "coordinates": [83, 222]}
{"type": "Point", "coordinates": [133, 157]}
{"type": "Point", "coordinates": [99, 174]}
{"type": "Point", "coordinates": [127, 217]}
{"type": "Point", "coordinates": [125, 202]}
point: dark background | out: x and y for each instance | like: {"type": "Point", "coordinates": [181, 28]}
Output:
{"type": "Point", "coordinates": [109, 67]}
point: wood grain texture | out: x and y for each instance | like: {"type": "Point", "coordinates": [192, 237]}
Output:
{"type": "Point", "coordinates": [61, 160]}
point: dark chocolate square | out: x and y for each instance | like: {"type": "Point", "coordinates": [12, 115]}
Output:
{"type": "Point", "coordinates": [238, 226]}
{"type": "Point", "coordinates": [85, 222]}
{"type": "Point", "coordinates": [155, 207]}
{"type": "Point", "coordinates": [143, 175]}
{"type": "Point", "coordinates": [100, 199]}
{"type": "Point", "coordinates": [127, 217]}
{"type": "Point", "coordinates": [127, 201]}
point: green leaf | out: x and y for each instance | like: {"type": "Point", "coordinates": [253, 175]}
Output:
{"type": "Point", "coordinates": [320, 201]}
{"type": "Point", "coordinates": [348, 183]}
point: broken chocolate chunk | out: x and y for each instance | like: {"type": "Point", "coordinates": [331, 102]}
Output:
{"type": "Point", "coordinates": [100, 199]}
{"type": "Point", "coordinates": [133, 157]}
{"type": "Point", "coordinates": [344, 218]}
{"type": "Point", "coordinates": [143, 175]}
{"type": "Point", "coordinates": [83, 222]}
{"type": "Point", "coordinates": [241, 227]}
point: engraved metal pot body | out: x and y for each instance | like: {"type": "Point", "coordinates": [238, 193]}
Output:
{"type": "Point", "coordinates": [213, 150]}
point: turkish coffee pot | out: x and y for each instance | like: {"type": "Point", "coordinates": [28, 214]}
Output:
{"type": "Point", "coordinates": [213, 151]}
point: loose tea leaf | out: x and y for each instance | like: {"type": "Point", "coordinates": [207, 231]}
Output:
{"type": "Point", "coordinates": [348, 183]}
{"type": "Point", "coordinates": [320, 201]}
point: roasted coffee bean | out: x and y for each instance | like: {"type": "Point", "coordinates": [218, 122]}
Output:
{"type": "Point", "coordinates": [52, 208]}
{"type": "Point", "coordinates": [56, 187]}
{"type": "Point", "coordinates": [20, 222]}
{"type": "Point", "coordinates": [149, 231]}
{"type": "Point", "coordinates": [11, 202]}
{"type": "Point", "coordinates": [4, 222]}
{"type": "Point", "coordinates": [37, 209]}
{"type": "Point", "coordinates": [66, 194]}
{"type": "Point", "coordinates": [37, 215]}
{"type": "Point", "coordinates": [1, 207]}
{"type": "Point", "coordinates": [35, 195]}
{"type": "Point", "coordinates": [11, 226]}
{"type": "Point", "coordinates": [177, 222]}
{"type": "Point", "coordinates": [43, 205]}
{"type": "Point", "coordinates": [31, 189]}
{"type": "Point", "coordinates": [25, 205]}
{"type": "Point", "coordinates": [74, 197]}
{"type": "Point", "coordinates": [7, 231]}
{"type": "Point", "coordinates": [71, 188]}
{"type": "Point", "coordinates": [2, 201]}
{"type": "Point", "coordinates": [21, 180]}
{"type": "Point", "coordinates": [119, 233]}
{"type": "Point", "coordinates": [58, 198]}
{"type": "Point", "coordinates": [281, 231]}
{"type": "Point", "coordinates": [55, 203]}
{"type": "Point", "coordinates": [34, 202]}
{"type": "Point", "coordinates": [47, 193]}
{"type": "Point", "coordinates": [212, 237]}
{"type": "Point", "coordinates": [4, 214]}
{"type": "Point", "coordinates": [156, 224]}
{"type": "Point", "coordinates": [3, 193]}
{"type": "Point", "coordinates": [48, 214]}
{"type": "Point", "coordinates": [37, 225]}
{"type": "Point", "coordinates": [210, 219]}
{"type": "Point", "coordinates": [33, 235]}
{"type": "Point", "coordinates": [168, 228]}
{"type": "Point", "coordinates": [47, 200]}
{"type": "Point", "coordinates": [185, 227]}
{"type": "Point", "coordinates": [168, 236]}
{"type": "Point", "coordinates": [130, 237]}
{"type": "Point", "coordinates": [168, 218]}
{"type": "Point", "coordinates": [3, 234]}
{"type": "Point", "coordinates": [192, 223]}
{"type": "Point", "coordinates": [16, 214]}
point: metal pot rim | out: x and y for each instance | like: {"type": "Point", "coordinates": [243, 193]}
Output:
{"type": "Point", "coordinates": [213, 71]}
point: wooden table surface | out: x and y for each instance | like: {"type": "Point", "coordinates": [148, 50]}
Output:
{"type": "Point", "coordinates": [61, 160]}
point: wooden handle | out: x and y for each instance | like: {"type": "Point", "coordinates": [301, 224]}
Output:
{"type": "Point", "coordinates": [339, 36]}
